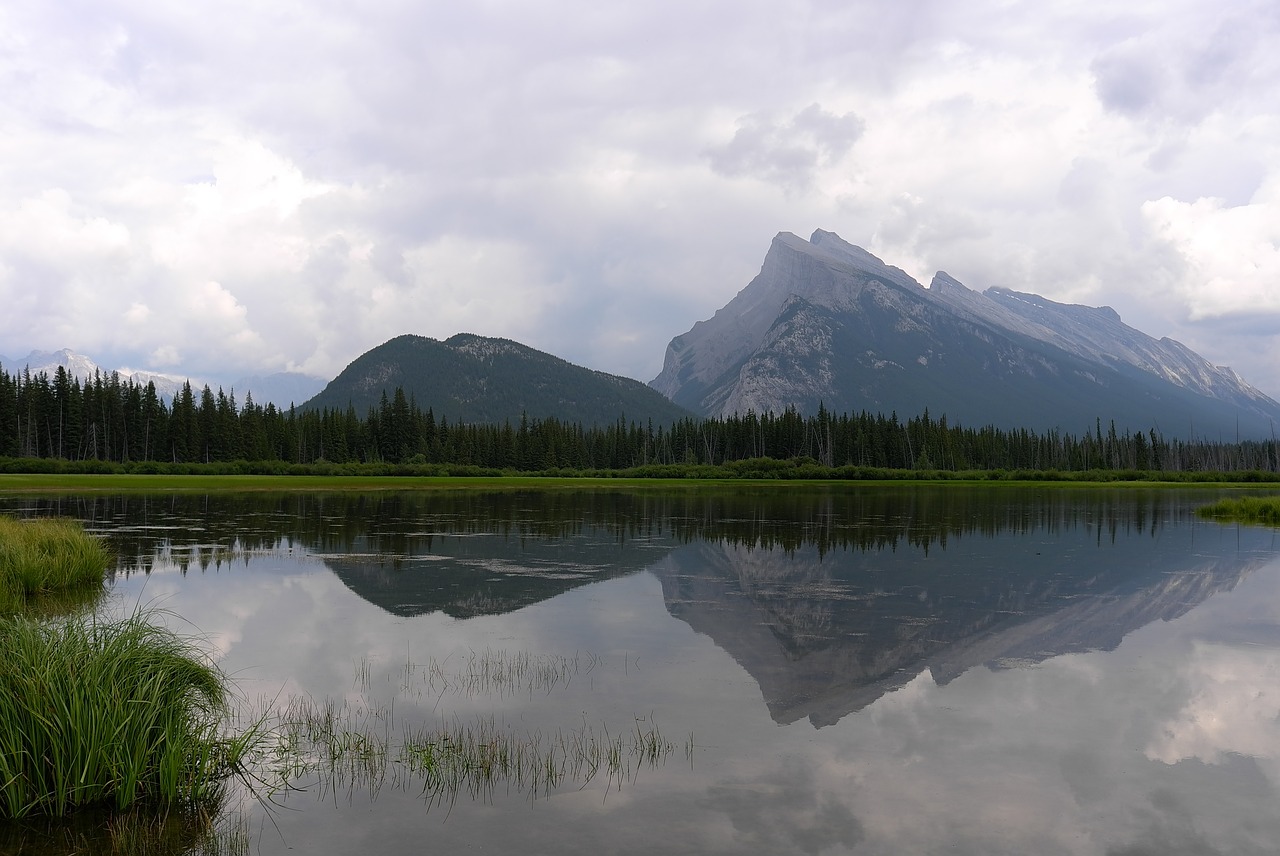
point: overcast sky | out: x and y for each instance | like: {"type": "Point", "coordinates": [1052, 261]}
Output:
{"type": "Point", "coordinates": [248, 187]}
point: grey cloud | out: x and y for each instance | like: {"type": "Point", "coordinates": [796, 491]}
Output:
{"type": "Point", "coordinates": [1253, 324]}
{"type": "Point", "coordinates": [327, 264]}
{"type": "Point", "coordinates": [786, 812]}
{"type": "Point", "coordinates": [1172, 828]}
{"type": "Point", "coordinates": [787, 151]}
{"type": "Point", "coordinates": [1128, 83]}
{"type": "Point", "coordinates": [580, 135]}
{"type": "Point", "coordinates": [388, 260]}
{"type": "Point", "coordinates": [1086, 184]}
{"type": "Point", "coordinates": [1184, 68]}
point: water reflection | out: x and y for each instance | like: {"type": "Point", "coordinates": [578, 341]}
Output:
{"type": "Point", "coordinates": [828, 597]}
{"type": "Point", "coordinates": [209, 527]}
{"type": "Point", "coordinates": [879, 627]}
{"type": "Point", "coordinates": [825, 635]}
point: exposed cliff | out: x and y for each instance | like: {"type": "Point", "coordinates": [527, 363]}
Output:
{"type": "Point", "coordinates": [828, 322]}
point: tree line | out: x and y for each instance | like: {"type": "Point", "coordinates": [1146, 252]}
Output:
{"type": "Point", "coordinates": [112, 419]}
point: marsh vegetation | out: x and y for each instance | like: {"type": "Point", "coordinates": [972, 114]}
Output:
{"type": "Point", "coordinates": [360, 743]}
{"type": "Point", "coordinates": [119, 722]}
{"type": "Point", "coordinates": [49, 565]}
{"type": "Point", "coordinates": [110, 713]}
{"type": "Point", "coordinates": [1262, 510]}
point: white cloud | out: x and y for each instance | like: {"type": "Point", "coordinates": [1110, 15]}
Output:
{"type": "Point", "coordinates": [1230, 710]}
{"type": "Point", "coordinates": [320, 163]}
{"type": "Point", "coordinates": [1231, 253]}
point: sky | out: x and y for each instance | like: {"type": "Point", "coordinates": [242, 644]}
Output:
{"type": "Point", "coordinates": [231, 189]}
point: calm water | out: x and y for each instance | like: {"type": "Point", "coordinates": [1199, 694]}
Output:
{"type": "Point", "coordinates": [858, 670]}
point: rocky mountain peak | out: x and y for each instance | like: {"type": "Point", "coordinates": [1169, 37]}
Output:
{"type": "Point", "coordinates": [943, 281]}
{"type": "Point", "coordinates": [826, 322]}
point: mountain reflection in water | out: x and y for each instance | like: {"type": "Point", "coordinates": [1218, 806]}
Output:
{"type": "Point", "coordinates": [856, 613]}
{"type": "Point", "coordinates": [829, 598]}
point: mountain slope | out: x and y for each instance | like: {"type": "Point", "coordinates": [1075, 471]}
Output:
{"type": "Point", "coordinates": [83, 367]}
{"type": "Point", "coordinates": [827, 322]}
{"type": "Point", "coordinates": [281, 389]}
{"type": "Point", "coordinates": [474, 379]}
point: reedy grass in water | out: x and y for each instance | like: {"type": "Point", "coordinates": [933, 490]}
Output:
{"type": "Point", "coordinates": [359, 745]}
{"type": "Point", "coordinates": [490, 672]}
{"type": "Point", "coordinates": [110, 713]}
{"type": "Point", "coordinates": [1262, 510]}
{"type": "Point", "coordinates": [479, 756]}
{"type": "Point", "coordinates": [49, 561]}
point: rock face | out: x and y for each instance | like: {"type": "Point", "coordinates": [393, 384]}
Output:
{"type": "Point", "coordinates": [826, 322]}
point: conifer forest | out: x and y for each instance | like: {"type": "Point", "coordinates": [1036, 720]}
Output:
{"type": "Point", "coordinates": [120, 423]}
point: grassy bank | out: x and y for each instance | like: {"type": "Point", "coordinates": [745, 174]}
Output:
{"type": "Point", "coordinates": [120, 483]}
{"type": "Point", "coordinates": [47, 564]}
{"type": "Point", "coordinates": [87, 475]}
{"type": "Point", "coordinates": [96, 713]}
{"type": "Point", "coordinates": [1260, 510]}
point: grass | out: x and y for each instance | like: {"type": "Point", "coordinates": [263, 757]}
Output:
{"type": "Point", "coordinates": [477, 757]}
{"type": "Point", "coordinates": [1261, 510]}
{"type": "Point", "coordinates": [111, 714]}
{"type": "Point", "coordinates": [359, 743]}
{"type": "Point", "coordinates": [346, 746]}
{"type": "Point", "coordinates": [49, 564]}
{"type": "Point", "coordinates": [491, 672]}
{"type": "Point", "coordinates": [118, 483]}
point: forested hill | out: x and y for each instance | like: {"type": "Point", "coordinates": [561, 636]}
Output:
{"type": "Point", "coordinates": [478, 380]}
{"type": "Point", "coordinates": [109, 423]}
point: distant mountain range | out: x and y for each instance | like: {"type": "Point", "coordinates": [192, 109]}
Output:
{"type": "Point", "coordinates": [282, 389]}
{"type": "Point", "coordinates": [828, 323]}
{"type": "Point", "coordinates": [824, 323]}
{"type": "Point", "coordinates": [471, 378]}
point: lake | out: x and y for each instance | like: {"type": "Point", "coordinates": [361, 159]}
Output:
{"type": "Point", "coordinates": [826, 670]}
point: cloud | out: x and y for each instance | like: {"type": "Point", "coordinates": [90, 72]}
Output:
{"type": "Point", "coordinates": [604, 170]}
{"type": "Point", "coordinates": [786, 810]}
{"type": "Point", "coordinates": [1230, 254]}
{"type": "Point", "coordinates": [1230, 712]}
{"type": "Point", "coordinates": [788, 151]}
{"type": "Point", "coordinates": [1184, 67]}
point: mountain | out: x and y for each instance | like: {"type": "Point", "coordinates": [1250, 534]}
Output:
{"type": "Point", "coordinates": [474, 379]}
{"type": "Point", "coordinates": [48, 362]}
{"type": "Point", "coordinates": [82, 367]}
{"type": "Point", "coordinates": [283, 389]}
{"type": "Point", "coordinates": [826, 322]}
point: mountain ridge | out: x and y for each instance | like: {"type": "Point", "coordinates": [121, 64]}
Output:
{"type": "Point", "coordinates": [828, 323]}
{"type": "Point", "coordinates": [280, 388]}
{"type": "Point", "coordinates": [472, 378]}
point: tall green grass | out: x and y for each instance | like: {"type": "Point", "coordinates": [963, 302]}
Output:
{"type": "Point", "coordinates": [49, 563]}
{"type": "Point", "coordinates": [109, 713]}
{"type": "Point", "coordinates": [1263, 510]}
